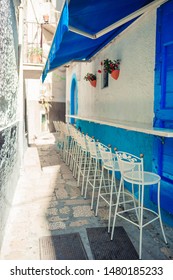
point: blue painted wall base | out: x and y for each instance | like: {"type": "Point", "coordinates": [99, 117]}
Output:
{"type": "Point", "coordinates": [129, 141]}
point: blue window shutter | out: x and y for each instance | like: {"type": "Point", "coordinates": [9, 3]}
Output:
{"type": "Point", "coordinates": [163, 105]}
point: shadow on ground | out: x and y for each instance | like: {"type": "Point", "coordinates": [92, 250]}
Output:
{"type": "Point", "coordinates": [47, 155]}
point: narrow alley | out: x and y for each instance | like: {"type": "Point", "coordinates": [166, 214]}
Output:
{"type": "Point", "coordinates": [48, 202]}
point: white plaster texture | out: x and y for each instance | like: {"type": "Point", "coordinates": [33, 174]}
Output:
{"type": "Point", "coordinates": [131, 97]}
{"type": "Point", "coordinates": [32, 87]}
{"type": "Point", "coordinates": [58, 84]}
{"type": "Point", "coordinates": [10, 144]}
{"type": "Point", "coordinates": [54, 86]}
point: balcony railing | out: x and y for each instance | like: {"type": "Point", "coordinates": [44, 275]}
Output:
{"type": "Point", "coordinates": [32, 43]}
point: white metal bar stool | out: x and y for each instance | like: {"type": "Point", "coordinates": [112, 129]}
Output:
{"type": "Point", "coordinates": [76, 158]}
{"type": "Point", "coordinates": [75, 152]}
{"type": "Point", "coordinates": [67, 138]}
{"type": "Point", "coordinates": [94, 169]}
{"type": "Point", "coordinates": [59, 136]}
{"type": "Point", "coordinates": [131, 168]}
{"type": "Point", "coordinates": [109, 164]}
{"type": "Point", "coordinates": [83, 161]}
{"type": "Point", "coordinates": [72, 136]}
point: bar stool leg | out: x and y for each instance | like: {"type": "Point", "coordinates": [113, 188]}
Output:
{"type": "Point", "coordinates": [134, 201]}
{"type": "Point", "coordinates": [110, 201]}
{"type": "Point", "coordinates": [98, 198]}
{"type": "Point", "coordinates": [141, 221]}
{"type": "Point", "coordinates": [86, 187]}
{"type": "Point", "coordinates": [116, 208]}
{"type": "Point", "coordinates": [80, 165]}
{"type": "Point", "coordinates": [79, 158]}
{"type": "Point", "coordinates": [73, 159]}
{"type": "Point", "coordinates": [159, 213]}
{"type": "Point", "coordinates": [94, 183]}
{"type": "Point", "coordinates": [83, 171]}
{"type": "Point", "coordinates": [76, 160]}
{"type": "Point", "coordinates": [72, 155]}
{"type": "Point", "coordinates": [70, 151]}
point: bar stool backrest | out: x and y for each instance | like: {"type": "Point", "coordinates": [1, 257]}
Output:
{"type": "Point", "coordinates": [82, 141]}
{"type": "Point", "coordinates": [93, 148]}
{"type": "Point", "coordinates": [131, 167]}
{"type": "Point", "coordinates": [88, 140]}
{"type": "Point", "coordinates": [75, 134]}
{"type": "Point", "coordinates": [106, 155]}
{"type": "Point", "coordinates": [71, 129]}
{"type": "Point", "coordinates": [65, 129]}
{"type": "Point", "coordinates": [57, 126]}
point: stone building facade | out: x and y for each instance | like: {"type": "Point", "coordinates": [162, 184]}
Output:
{"type": "Point", "coordinates": [10, 144]}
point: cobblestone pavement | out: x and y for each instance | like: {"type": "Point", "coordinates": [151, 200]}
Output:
{"type": "Point", "coordinates": [48, 202]}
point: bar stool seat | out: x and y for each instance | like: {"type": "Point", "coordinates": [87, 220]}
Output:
{"type": "Point", "coordinates": [149, 178]}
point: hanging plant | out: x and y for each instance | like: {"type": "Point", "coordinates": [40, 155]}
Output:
{"type": "Point", "coordinates": [91, 78]}
{"type": "Point", "coordinates": [35, 54]}
{"type": "Point", "coordinates": [46, 18]}
{"type": "Point", "coordinates": [112, 67]}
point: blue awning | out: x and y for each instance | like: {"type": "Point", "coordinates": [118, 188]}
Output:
{"type": "Point", "coordinates": [82, 23]}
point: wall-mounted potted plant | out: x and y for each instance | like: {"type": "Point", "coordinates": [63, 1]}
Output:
{"type": "Point", "coordinates": [35, 55]}
{"type": "Point", "coordinates": [46, 18]}
{"type": "Point", "coordinates": [91, 78]}
{"type": "Point", "coordinates": [112, 67]}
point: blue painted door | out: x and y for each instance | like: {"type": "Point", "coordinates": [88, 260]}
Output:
{"type": "Point", "coordinates": [163, 150]}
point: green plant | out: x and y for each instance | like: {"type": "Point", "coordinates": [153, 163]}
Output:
{"type": "Point", "coordinates": [110, 65]}
{"type": "Point", "coordinates": [90, 77]}
{"type": "Point", "coordinates": [35, 51]}
{"type": "Point", "coordinates": [46, 104]}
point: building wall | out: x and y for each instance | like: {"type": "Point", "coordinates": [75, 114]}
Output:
{"type": "Point", "coordinates": [128, 99]}
{"type": "Point", "coordinates": [10, 146]}
{"type": "Point", "coordinates": [131, 97]}
{"type": "Point", "coordinates": [54, 90]}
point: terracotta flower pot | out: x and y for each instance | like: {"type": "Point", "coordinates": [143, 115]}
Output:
{"type": "Point", "coordinates": [46, 18]}
{"type": "Point", "coordinates": [93, 83]}
{"type": "Point", "coordinates": [115, 74]}
{"type": "Point", "coordinates": [35, 58]}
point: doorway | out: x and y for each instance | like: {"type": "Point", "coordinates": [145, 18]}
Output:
{"type": "Point", "coordinates": [74, 99]}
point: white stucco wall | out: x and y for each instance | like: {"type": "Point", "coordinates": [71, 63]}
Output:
{"type": "Point", "coordinates": [54, 86]}
{"type": "Point", "coordinates": [130, 98]}
{"type": "Point", "coordinates": [58, 84]}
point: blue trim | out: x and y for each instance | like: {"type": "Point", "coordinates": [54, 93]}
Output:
{"type": "Point", "coordinates": [73, 97]}
{"type": "Point", "coordinates": [59, 34]}
{"type": "Point", "coordinates": [129, 141]}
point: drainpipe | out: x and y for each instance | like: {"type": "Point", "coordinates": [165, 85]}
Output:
{"type": "Point", "coordinates": [21, 91]}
